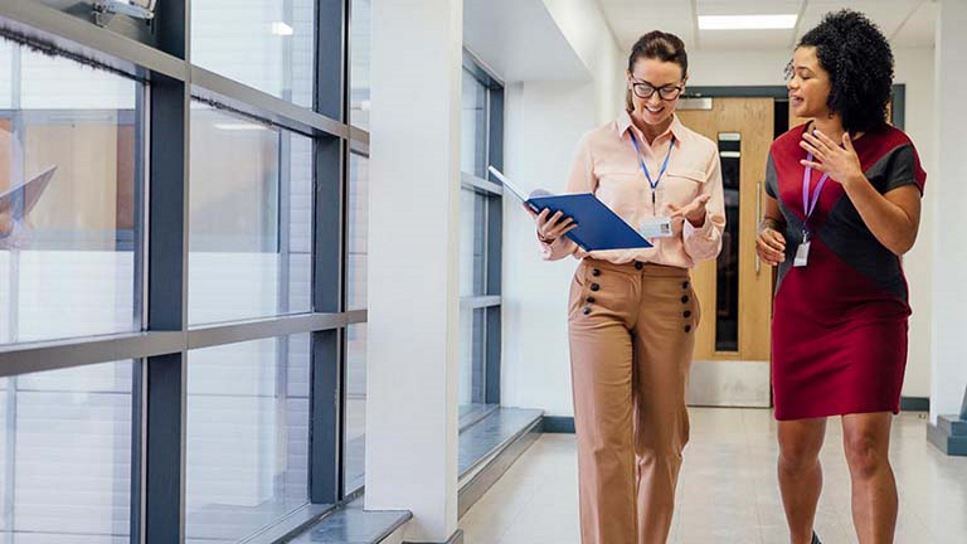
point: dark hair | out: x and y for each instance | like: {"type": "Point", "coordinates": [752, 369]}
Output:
{"type": "Point", "coordinates": [659, 45]}
{"type": "Point", "coordinates": [860, 64]}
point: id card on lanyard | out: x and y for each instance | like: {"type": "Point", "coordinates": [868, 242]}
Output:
{"type": "Point", "coordinates": [656, 227]}
{"type": "Point", "coordinates": [809, 203]}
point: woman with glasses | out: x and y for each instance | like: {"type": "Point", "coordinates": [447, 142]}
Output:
{"type": "Point", "coordinates": [844, 206]}
{"type": "Point", "coordinates": [633, 313]}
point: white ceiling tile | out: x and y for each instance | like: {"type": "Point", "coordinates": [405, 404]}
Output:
{"type": "Point", "coordinates": [887, 14]}
{"type": "Point", "coordinates": [919, 30]}
{"type": "Point", "coordinates": [631, 18]}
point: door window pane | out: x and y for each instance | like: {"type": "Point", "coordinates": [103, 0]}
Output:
{"type": "Point", "coordinates": [247, 436]}
{"type": "Point", "coordinates": [71, 167]}
{"type": "Point", "coordinates": [266, 44]}
{"type": "Point", "coordinates": [727, 276]}
{"type": "Point", "coordinates": [250, 229]}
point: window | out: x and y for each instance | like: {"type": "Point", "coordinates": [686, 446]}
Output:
{"type": "Point", "coordinates": [247, 436]}
{"type": "Point", "coordinates": [250, 219]}
{"type": "Point", "coordinates": [355, 434]}
{"type": "Point", "coordinates": [357, 209]}
{"type": "Point", "coordinates": [151, 256]}
{"type": "Point", "coordinates": [357, 218]}
{"type": "Point", "coordinates": [481, 147]}
{"type": "Point", "coordinates": [65, 454]}
{"type": "Point", "coordinates": [266, 44]}
{"type": "Point", "coordinates": [473, 126]}
{"type": "Point", "coordinates": [359, 40]}
{"type": "Point", "coordinates": [70, 178]}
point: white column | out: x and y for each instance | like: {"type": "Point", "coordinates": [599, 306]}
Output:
{"type": "Point", "coordinates": [949, 182]}
{"type": "Point", "coordinates": [414, 205]}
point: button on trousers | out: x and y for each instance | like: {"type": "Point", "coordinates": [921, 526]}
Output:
{"type": "Point", "coordinates": [631, 329]}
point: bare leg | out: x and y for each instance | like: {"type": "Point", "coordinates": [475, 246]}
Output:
{"type": "Point", "coordinates": [866, 438]}
{"type": "Point", "coordinates": [800, 474]}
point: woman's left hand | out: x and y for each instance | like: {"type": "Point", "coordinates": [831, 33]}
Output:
{"type": "Point", "coordinates": [841, 163]}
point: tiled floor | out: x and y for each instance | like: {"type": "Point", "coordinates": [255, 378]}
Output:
{"type": "Point", "coordinates": [728, 491]}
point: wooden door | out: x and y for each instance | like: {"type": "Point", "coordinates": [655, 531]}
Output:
{"type": "Point", "coordinates": [751, 122]}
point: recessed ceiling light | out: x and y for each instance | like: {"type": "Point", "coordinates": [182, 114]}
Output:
{"type": "Point", "coordinates": [746, 22]}
{"type": "Point", "coordinates": [281, 29]}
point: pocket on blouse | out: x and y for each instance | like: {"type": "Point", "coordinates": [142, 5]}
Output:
{"type": "Point", "coordinates": [683, 185]}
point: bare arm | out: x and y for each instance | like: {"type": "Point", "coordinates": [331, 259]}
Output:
{"type": "Point", "coordinates": [893, 218]}
{"type": "Point", "coordinates": [771, 243]}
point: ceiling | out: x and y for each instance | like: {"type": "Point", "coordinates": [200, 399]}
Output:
{"type": "Point", "coordinates": [906, 23]}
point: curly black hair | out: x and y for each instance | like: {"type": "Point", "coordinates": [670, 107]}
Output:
{"type": "Point", "coordinates": [860, 64]}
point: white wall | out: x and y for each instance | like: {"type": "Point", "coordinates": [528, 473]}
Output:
{"type": "Point", "coordinates": [544, 123]}
{"type": "Point", "coordinates": [950, 252]}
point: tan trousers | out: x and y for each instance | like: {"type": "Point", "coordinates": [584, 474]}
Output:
{"type": "Point", "coordinates": [632, 330]}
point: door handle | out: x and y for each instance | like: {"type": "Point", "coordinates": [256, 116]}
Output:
{"type": "Point", "coordinates": [758, 217]}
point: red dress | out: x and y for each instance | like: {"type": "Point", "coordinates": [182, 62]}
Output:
{"type": "Point", "coordinates": [839, 330]}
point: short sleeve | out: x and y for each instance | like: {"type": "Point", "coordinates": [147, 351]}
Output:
{"type": "Point", "coordinates": [904, 169]}
{"type": "Point", "coordinates": [772, 180]}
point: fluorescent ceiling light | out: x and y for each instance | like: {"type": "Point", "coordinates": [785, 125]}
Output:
{"type": "Point", "coordinates": [281, 29]}
{"type": "Point", "coordinates": [238, 126]}
{"type": "Point", "coordinates": [746, 22]}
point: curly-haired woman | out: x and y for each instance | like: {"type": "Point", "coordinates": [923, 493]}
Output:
{"type": "Point", "coordinates": [844, 206]}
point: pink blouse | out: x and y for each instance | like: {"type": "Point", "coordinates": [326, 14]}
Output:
{"type": "Point", "coordinates": [606, 165]}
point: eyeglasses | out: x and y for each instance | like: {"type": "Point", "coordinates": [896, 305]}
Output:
{"type": "Point", "coordinates": [645, 90]}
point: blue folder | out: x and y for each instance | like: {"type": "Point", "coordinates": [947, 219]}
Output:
{"type": "Point", "coordinates": [598, 229]}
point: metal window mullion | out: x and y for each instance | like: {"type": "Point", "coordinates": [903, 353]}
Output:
{"type": "Point", "coordinates": [330, 155]}
{"type": "Point", "coordinates": [479, 185]}
{"type": "Point", "coordinates": [233, 95]}
{"type": "Point", "coordinates": [481, 301]}
{"type": "Point", "coordinates": [160, 487]}
{"type": "Point", "coordinates": [495, 224]}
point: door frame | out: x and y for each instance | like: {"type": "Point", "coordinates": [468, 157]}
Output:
{"type": "Point", "coordinates": [898, 116]}
{"type": "Point", "coordinates": [706, 374]}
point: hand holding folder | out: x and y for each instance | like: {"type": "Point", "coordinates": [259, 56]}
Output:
{"type": "Point", "coordinates": [598, 228]}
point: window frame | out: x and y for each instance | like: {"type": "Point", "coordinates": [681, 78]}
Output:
{"type": "Point", "coordinates": [160, 350]}
{"type": "Point", "coordinates": [492, 190]}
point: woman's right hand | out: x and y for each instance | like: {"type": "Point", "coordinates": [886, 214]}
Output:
{"type": "Point", "coordinates": [771, 246]}
{"type": "Point", "coordinates": [551, 227]}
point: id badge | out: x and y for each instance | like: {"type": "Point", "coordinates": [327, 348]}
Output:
{"type": "Point", "coordinates": [802, 254]}
{"type": "Point", "coordinates": [656, 227]}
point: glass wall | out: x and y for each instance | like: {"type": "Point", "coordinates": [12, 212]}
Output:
{"type": "Point", "coordinates": [250, 224]}
{"type": "Point", "coordinates": [480, 214]}
{"type": "Point", "coordinates": [70, 177]}
{"type": "Point", "coordinates": [267, 44]}
{"type": "Point", "coordinates": [65, 455]}
{"type": "Point", "coordinates": [154, 260]}
{"type": "Point", "coordinates": [247, 436]}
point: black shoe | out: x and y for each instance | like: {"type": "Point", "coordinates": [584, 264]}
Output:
{"type": "Point", "coordinates": [816, 539]}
